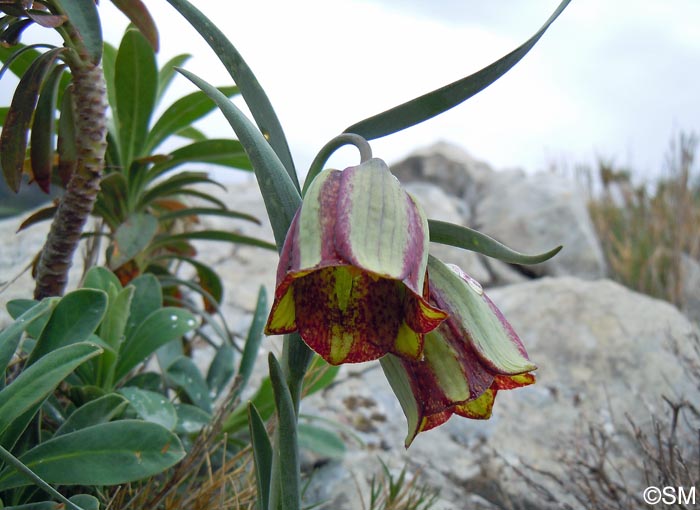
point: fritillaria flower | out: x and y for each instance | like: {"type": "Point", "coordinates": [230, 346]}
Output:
{"type": "Point", "coordinates": [470, 357]}
{"type": "Point", "coordinates": [352, 273]}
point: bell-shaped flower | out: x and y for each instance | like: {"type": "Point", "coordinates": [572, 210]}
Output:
{"type": "Point", "coordinates": [352, 272]}
{"type": "Point", "coordinates": [470, 357]}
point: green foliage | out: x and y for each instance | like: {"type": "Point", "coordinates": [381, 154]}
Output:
{"type": "Point", "coordinates": [391, 492]}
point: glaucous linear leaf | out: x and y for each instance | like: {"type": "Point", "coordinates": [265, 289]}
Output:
{"type": "Point", "coordinates": [212, 235]}
{"type": "Point", "coordinates": [207, 211]}
{"type": "Point", "coordinates": [262, 454]}
{"type": "Point", "coordinates": [242, 75]}
{"type": "Point", "coordinates": [280, 193]}
{"type": "Point", "coordinates": [463, 237]}
{"type": "Point", "coordinates": [438, 101]}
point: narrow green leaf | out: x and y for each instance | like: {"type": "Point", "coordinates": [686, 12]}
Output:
{"type": "Point", "coordinates": [217, 151]}
{"type": "Point", "coordinates": [10, 336]}
{"type": "Point", "coordinates": [89, 456]}
{"type": "Point", "coordinates": [320, 441]}
{"type": "Point", "coordinates": [464, 237]}
{"type": "Point", "coordinates": [43, 130]}
{"type": "Point", "coordinates": [207, 211]}
{"type": "Point", "coordinates": [37, 381]}
{"type": "Point", "coordinates": [159, 328]}
{"type": "Point", "coordinates": [264, 402]}
{"type": "Point", "coordinates": [189, 132]}
{"type": "Point", "coordinates": [438, 101]}
{"type": "Point", "coordinates": [182, 113]}
{"type": "Point", "coordinates": [174, 185]}
{"type": "Point", "coordinates": [19, 58]}
{"type": "Point", "coordinates": [221, 369]}
{"type": "Point", "coordinates": [290, 495]}
{"type": "Point", "coordinates": [167, 73]}
{"type": "Point", "coordinates": [74, 319]}
{"type": "Point", "coordinates": [132, 237]}
{"type": "Point", "coordinates": [138, 14]}
{"type": "Point", "coordinates": [252, 92]}
{"type": "Point", "coordinates": [13, 140]}
{"type": "Point", "coordinates": [253, 341]}
{"type": "Point", "coordinates": [212, 235]}
{"type": "Point", "coordinates": [135, 82]}
{"type": "Point", "coordinates": [279, 192]}
{"type": "Point", "coordinates": [151, 406]}
{"type": "Point", "coordinates": [101, 410]}
{"type": "Point", "coordinates": [262, 454]}
{"type": "Point", "coordinates": [82, 14]}
{"type": "Point", "coordinates": [184, 375]}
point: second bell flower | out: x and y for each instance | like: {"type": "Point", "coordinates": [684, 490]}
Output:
{"type": "Point", "coordinates": [352, 272]}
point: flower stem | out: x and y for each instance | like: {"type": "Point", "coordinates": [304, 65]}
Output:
{"type": "Point", "coordinates": [332, 146]}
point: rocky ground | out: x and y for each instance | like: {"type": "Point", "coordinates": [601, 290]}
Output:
{"type": "Point", "coordinates": [603, 351]}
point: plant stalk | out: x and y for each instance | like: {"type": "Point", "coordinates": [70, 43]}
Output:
{"type": "Point", "coordinates": [89, 106]}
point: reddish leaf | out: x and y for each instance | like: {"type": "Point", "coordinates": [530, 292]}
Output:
{"type": "Point", "coordinates": [41, 215]}
{"type": "Point", "coordinates": [138, 14]}
{"type": "Point", "coordinates": [43, 127]}
{"type": "Point", "coordinates": [46, 19]}
{"type": "Point", "coordinates": [13, 140]}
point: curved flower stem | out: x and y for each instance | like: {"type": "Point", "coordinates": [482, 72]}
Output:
{"type": "Point", "coordinates": [332, 146]}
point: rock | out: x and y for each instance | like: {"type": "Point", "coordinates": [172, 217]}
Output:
{"type": "Point", "coordinates": [601, 349]}
{"type": "Point", "coordinates": [529, 213]}
{"type": "Point", "coordinates": [440, 206]}
{"type": "Point", "coordinates": [535, 213]}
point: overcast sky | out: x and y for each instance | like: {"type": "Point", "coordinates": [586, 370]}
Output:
{"type": "Point", "coordinates": [615, 79]}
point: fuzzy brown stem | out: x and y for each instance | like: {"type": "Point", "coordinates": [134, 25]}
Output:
{"type": "Point", "coordinates": [90, 106]}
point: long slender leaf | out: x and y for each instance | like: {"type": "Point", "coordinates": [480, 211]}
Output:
{"type": "Point", "coordinates": [13, 140]}
{"type": "Point", "coordinates": [290, 495]}
{"type": "Point", "coordinates": [464, 237]}
{"type": "Point", "coordinates": [19, 58]}
{"type": "Point", "coordinates": [173, 185]}
{"type": "Point", "coordinates": [43, 129]}
{"type": "Point", "coordinates": [105, 454]}
{"type": "Point", "coordinates": [279, 192]}
{"type": "Point", "coordinates": [253, 341]}
{"type": "Point", "coordinates": [438, 101]}
{"type": "Point", "coordinates": [212, 235]}
{"type": "Point", "coordinates": [36, 382]}
{"type": "Point", "coordinates": [242, 75]}
{"type": "Point", "coordinates": [82, 14]}
{"type": "Point", "coordinates": [262, 453]}
{"type": "Point", "coordinates": [217, 151]}
{"type": "Point", "coordinates": [221, 369]}
{"type": "Point", "coordinates": [167, 73]}
{"type": "Point", "coordinates": [207, 211]}
{"type": "Point", "coordinates": [182, 113]}
{"type": "Point", "coordinates": [135, 82]}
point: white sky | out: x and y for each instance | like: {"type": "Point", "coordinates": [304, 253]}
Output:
{"type": "Point", "coordinates": [615, 79]}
